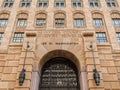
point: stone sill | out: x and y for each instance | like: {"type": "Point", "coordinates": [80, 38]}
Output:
{"type": "Point", "coordinates": [15, 45]}
{"type": "Point", "coordinates": [103, 44]}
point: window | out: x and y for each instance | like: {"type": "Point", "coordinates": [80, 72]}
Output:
{"type": "Point", "coordinates": [41, 22]}
{"type": "Point", "coordinates": [1, 35]}
{"type": "Point", "coordinates": [118, 36]}
{"type": "Point", "coordinates": [59, 22]}
{"type": "Point", "coordinates": [94, 3]}
{"type": "Point", "coordinates": [21, 22]}
{"type": "Point", "coordinates": [59, 3]}
{"type": "Point", "coordinates": [101, 37]}
{"type": "Point", "coordinates": [97, 22]}
{"type": "Point", "coordinates": [25, 3]}
{"type": "Point", "coordinates": [8, 3]}
{"type": "Point", "coordinates": [111, 3]}
{"type": "Point", "coordinates": [3, 22]}
{"type": "Point", "coordinates": [116, 21]}
{"type": "Point", "coordinates": [78, 22]}
{"type": "Point", "coordinates": [76, 3]}
{"type": "Point", "coordinates": [18, 37]}
{"type": "Point", "coordinates": [42, 3]}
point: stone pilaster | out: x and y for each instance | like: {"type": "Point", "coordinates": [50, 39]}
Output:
{"type": "Point", "coordinates": [88, 37]}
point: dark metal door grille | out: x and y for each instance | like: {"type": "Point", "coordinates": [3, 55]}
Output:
{"type": "Point", "coordinates": [59, 74]}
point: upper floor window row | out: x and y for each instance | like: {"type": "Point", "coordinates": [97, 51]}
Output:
{"type": "Point", "coordinates": [60, 3]}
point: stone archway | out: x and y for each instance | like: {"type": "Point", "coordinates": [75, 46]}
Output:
{"type": "Point", "coordinates": [54, 54]}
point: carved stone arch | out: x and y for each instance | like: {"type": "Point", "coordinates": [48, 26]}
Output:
{"type": "Point", "coordinates": [97, 14]}
{"type": "Point", "coordinates": [60, 14]}
{"type": "Point", "coordinates": [41, 14]}
{"type": "Point", "coordinates": [115, 14]}
{"type": "Point", "coordinates": [22, 14]}
{"type": "Point", "coordinates": [78, 14]}
{"type": "Point", "coordinates": [4, 14]}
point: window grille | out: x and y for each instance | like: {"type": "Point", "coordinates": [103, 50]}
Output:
{"type": "Point", "coordinates": [59, 21]}
{"type": "Point", "coordinates": [18, 37]}
{"type": "Point", "coordinates": [8, 3]}
{"type": "Point", "coordinates": [3, 22]}
{"type": "Point", "coordinates": [97, 22]}
{"type": "Point", "coordinates": [78, 22]}
{"type": "Point", "coordinates": [21, 22]}
{"type": "Point", "coordinates": [116, 22]}
{"type": "Point", "coordinates": [59, 74]}
{"type": "Point", "coordinates": [118, 36]}
{"type": "Point", "coordinates": [40, 22]}
{"type": "Point", "coordinates": [101, 37]}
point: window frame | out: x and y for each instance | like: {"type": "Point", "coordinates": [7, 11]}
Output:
{"type": "Point", "coordinates": [59, 25]}
{"type": "Point", "coordinates": [42, 2]}
{"type": "Point", "coordinates": [5, 22]}
{"type": "Point", "coordinates": [25, 3]}
{"type": "Point", "coordinates": [98, 22]}
{"type": "Point", "coordinates": [81, 24]}
{"type": "Point", "coordinates": [76, 2]}
{"type": "Point", "coordinates": [59, 2]}
{"type": "Point", "coordinates": [111, 3]}
{"type": "Point", "coordinates": [9, 2]}
{"type": "Point", "coordinates": [1, 36]}
{"type": "Point", "coordinates": [94, 3]}
{"type": "Point", "coordinates": [18, 37]}
{"type": "Point", "coordinates": [44, 24]}
{"type": "Point", "coordinates": [114, 20]}
{"type": "Point", "coordinates": [101, 37]}
{"type": "Point", "coordinates": [19, 21]}
{"type": "Point", "coordinates": [118, 36]}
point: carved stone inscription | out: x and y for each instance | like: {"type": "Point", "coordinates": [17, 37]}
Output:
{"type": "Point", "coordinates": [60, 37]}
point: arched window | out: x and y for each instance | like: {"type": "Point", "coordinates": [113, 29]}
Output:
{"type": "Point", "coordinates": [116, 19]}
{"type": "Point", "coordinates": [98, 20]}
{"type": "Point", "coordinates": [22, 20]}
{"type": "Point", "coordinates": [59, 19]}
{"type": "Point", "coordinates": [78, 20]}
{"type": "Point", "coordinates": [59, 74]}
{"type": "Point", "coordinates": [41, 20]}
{"type": "Point", "coordinates": [4, 19]}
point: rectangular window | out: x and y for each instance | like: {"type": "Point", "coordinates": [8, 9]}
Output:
{"type": "Point", "coordinates": [116, 21]}
{"type": "Point", "coordinates": [21, 22]}
{"type": "Point", "coordinates": [101, 37]}
{"type": "Point", "coordinates": [8, 3]}
{"type": "Point", "coordinates": [59, 21]}
{"type": "Point", "coordinates": [76, 3]}
{"type": "Point", "coordinates": [97, 22]}
{"type": "Point", "coordinates": [25, 3]}
{"type": "Point", "coordinates": [42, 3]}
{"type": "Point", "coordinates": [41, 22]}
{"type": "Point", "coordinates": [59, 3]}
{"type": "Point", "coordinates": [111, 3]}
{"type": "Point", "coordinates": [3, 22]}
{"type": "Point", "coordinates": [118, 36]}
{"type": "Point", "coordinates": [78, 22]}
{"type": "Point", "coordinates": [1, 35]}
{"type": "Point", "coordinates": [18, 37]}
{"type": "Point", "coordinates": [94, 3]}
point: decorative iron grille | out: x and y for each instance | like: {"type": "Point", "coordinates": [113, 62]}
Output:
{"type": "Point", "coordinates": [59, 74]}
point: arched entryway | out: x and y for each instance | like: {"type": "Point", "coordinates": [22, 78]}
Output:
{"type": "Point", "coordinates": [59, 74]}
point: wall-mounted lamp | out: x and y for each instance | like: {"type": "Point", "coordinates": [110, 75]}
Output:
{"type": "Point", "coordinates": [22, 73]}
{"type": "Point", "coordinates": [96, 74]}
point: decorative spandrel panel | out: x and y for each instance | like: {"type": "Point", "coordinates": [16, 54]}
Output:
{"type": "Point", "coordinates": [59, 74]}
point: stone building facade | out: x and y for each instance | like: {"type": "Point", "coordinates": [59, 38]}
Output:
{"type": "Point", "coordinates": [59, 29]}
